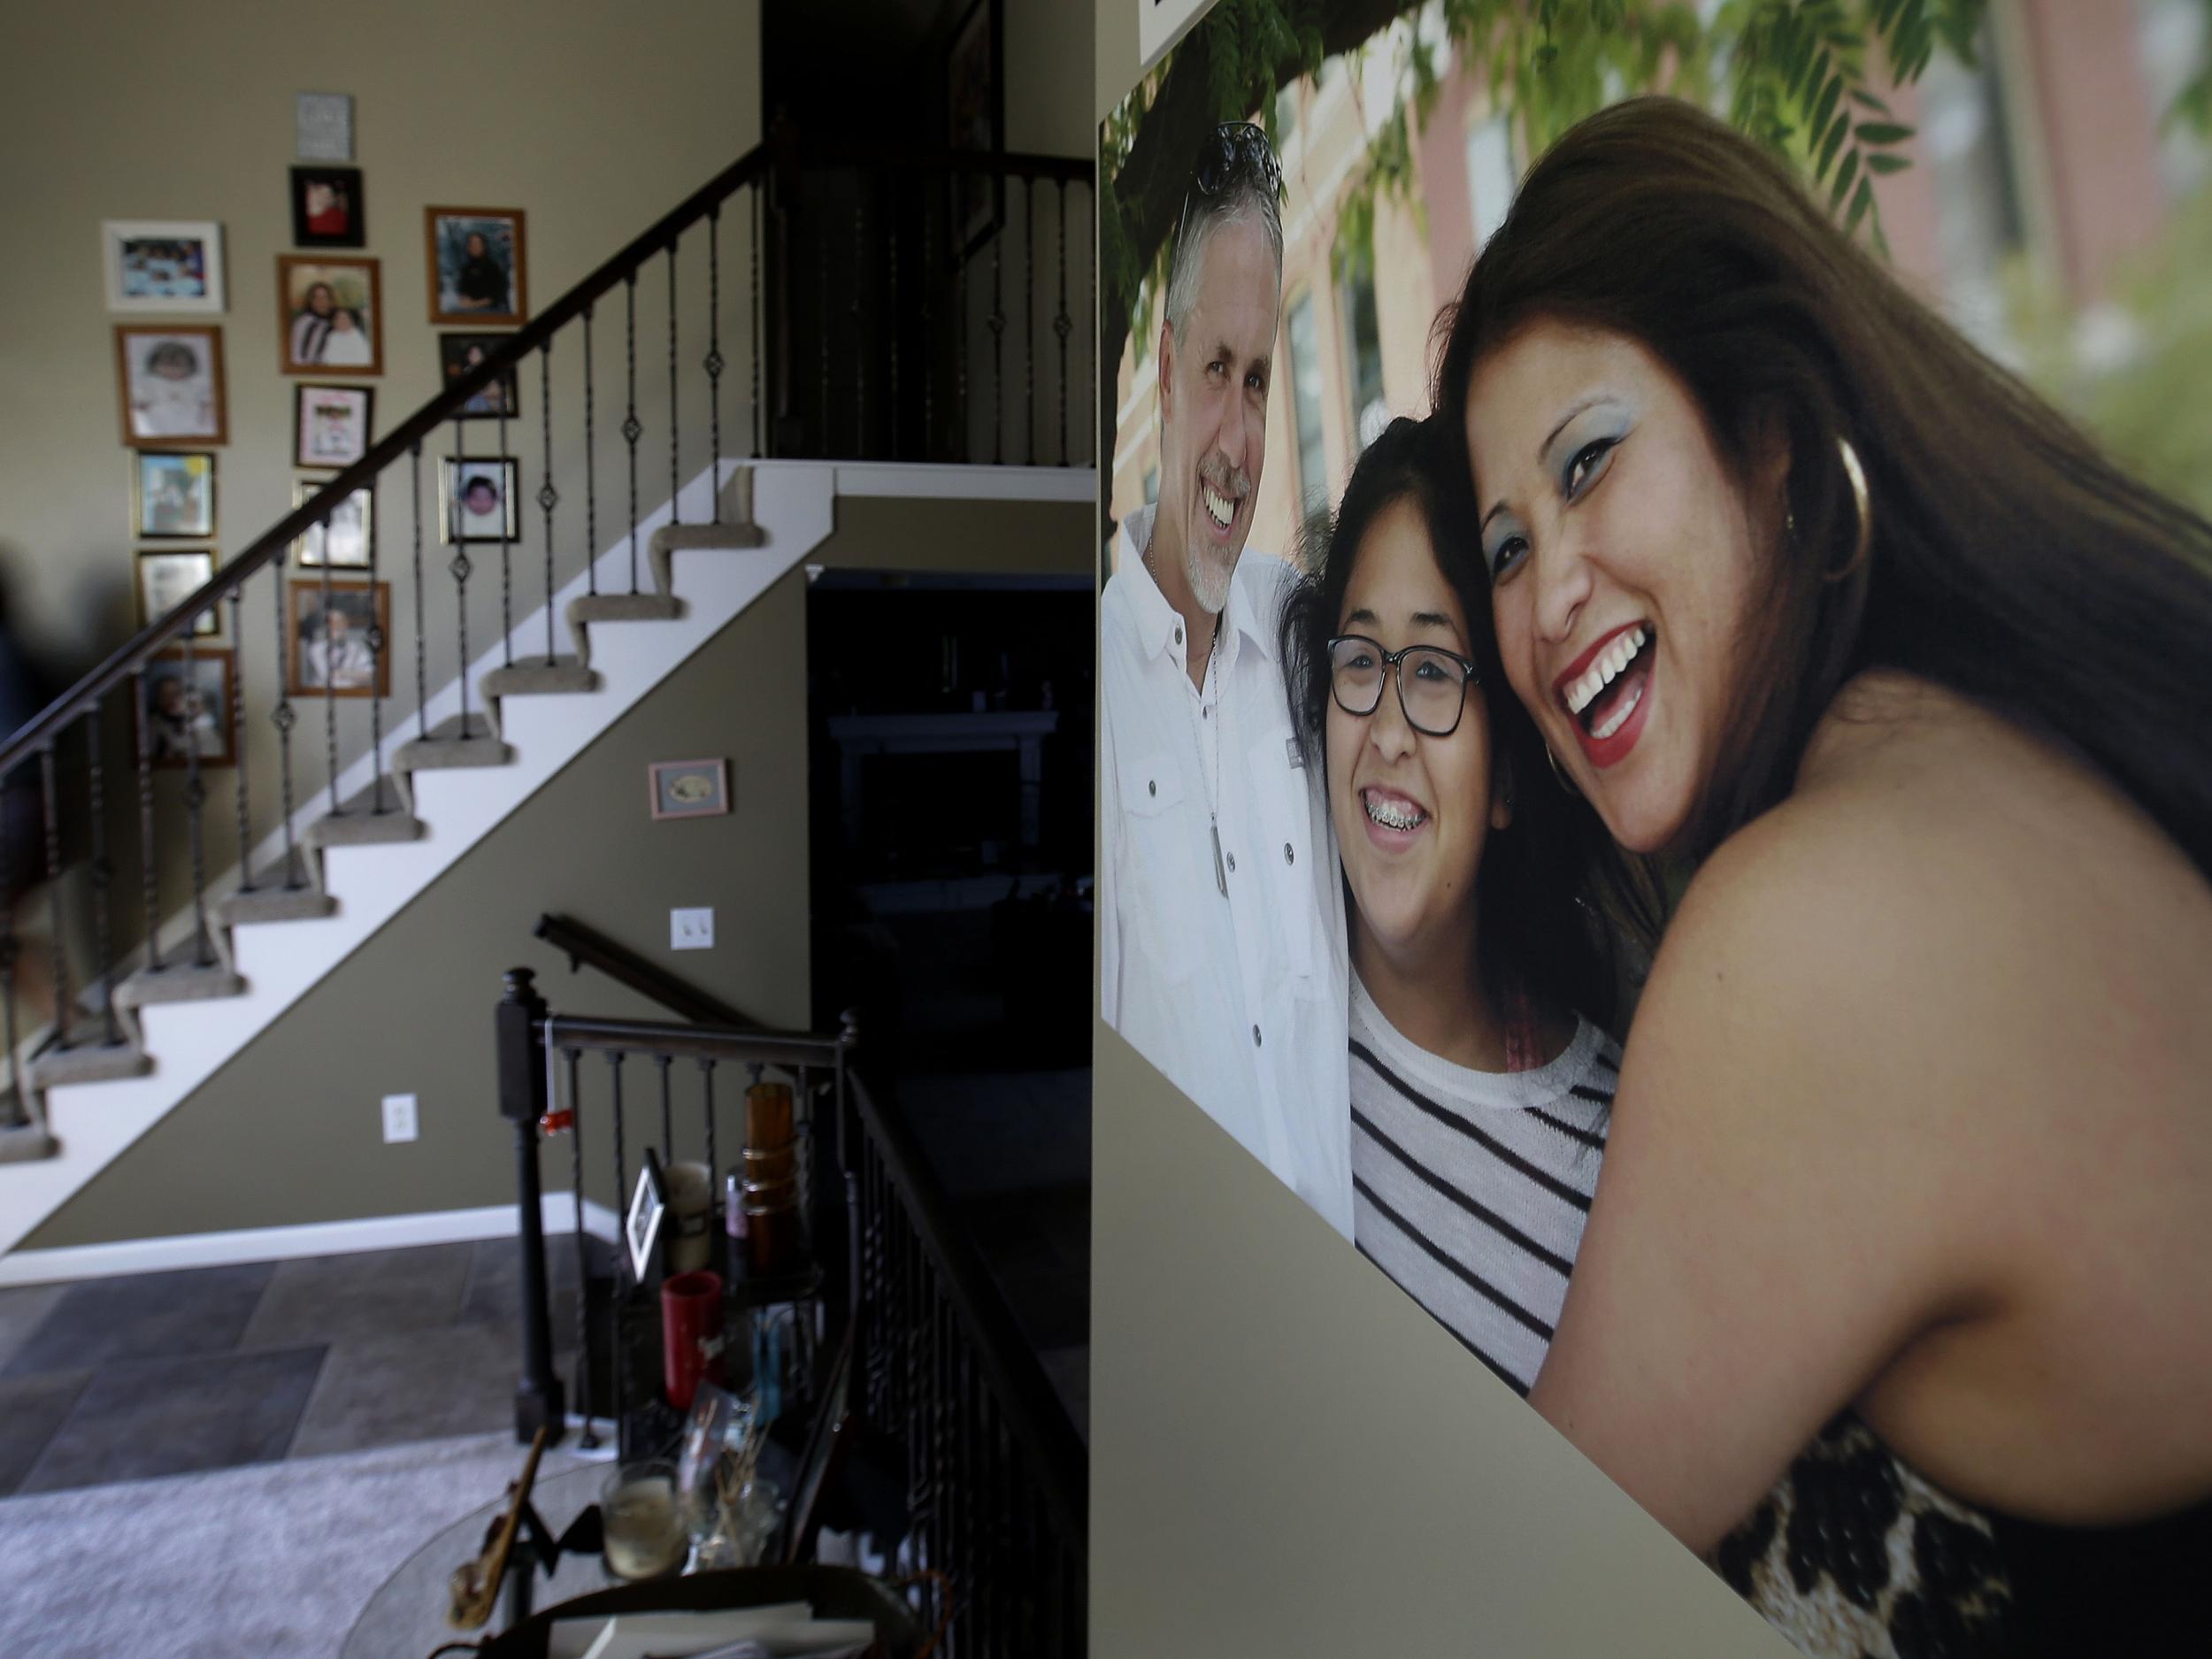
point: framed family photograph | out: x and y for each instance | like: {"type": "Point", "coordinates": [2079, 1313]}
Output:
{"type": "Point", "coordinates": [329, 642]}
{"type": "Point", "coordinates": [188, 708]}
{"type": "Point", "coordinates": [331, 425]}
{"type": "Point", "coordinates": [458, 354]}
{"type": "Point", "coordinates": [326, 208]}
{"type": "Point", "coordinates": [171, 383]}
{"type": "Point", "coordinates": [480, 502]}
{"type": "Point", "coordinates": [332, 315]}
{"type": "Point", "coordinates": [172, 496]}
{"type": "Point", "coordinates": [475, 257]}
{"type": "Point", "coordinates": [167, 577]}
{"type": "Point", "coordinates": [689, 788]}
{"type": "Point", "coordinates": [170, 265]}
{"type": "Point", "coordinates": [975, 122]}
{"type": "Point", "coordinates": [344, 544]}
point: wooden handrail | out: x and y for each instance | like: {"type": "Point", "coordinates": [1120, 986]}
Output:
{"type": "Point", "coordinates": [41, 731]}
{"type": "Point", "coordinates": [581, 944]}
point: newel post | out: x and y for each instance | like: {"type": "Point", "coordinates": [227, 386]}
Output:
{"type": "Point", "coordinates": [517, 1024]}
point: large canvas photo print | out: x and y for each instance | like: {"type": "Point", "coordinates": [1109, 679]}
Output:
{"type": "Point", "coordinates": [1630, 536]}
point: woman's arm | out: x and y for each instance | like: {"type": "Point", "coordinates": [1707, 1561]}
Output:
{"type": "Point", "coordinates": [1789, 1191]}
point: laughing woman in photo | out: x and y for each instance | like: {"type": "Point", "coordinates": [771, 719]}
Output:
{"type": "Point", "coordinates": [1896, 1297]}
{"type": "Point", "coordinates": [1479, 1083]}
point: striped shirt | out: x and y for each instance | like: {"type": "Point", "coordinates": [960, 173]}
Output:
{"type": "Point", "coordinates": [1470, 1188]}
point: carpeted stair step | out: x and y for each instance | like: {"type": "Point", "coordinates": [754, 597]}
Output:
{"type": "Point", "coordinates": [464, 740]}
{"type": "Point", "coordinates": [358, 823]}
{"type": "Point", "coordinates": [86, 1063]}
{"type": "Point", "coordinates": [270, 900]}
{"type": "Point", "coordinates": [181, 978]}
{"type": "Point", "coordinates": [539, 678]}
{"type": "Point", "coordinates": [24, 1143]}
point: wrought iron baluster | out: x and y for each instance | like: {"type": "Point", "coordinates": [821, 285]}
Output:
{"type": "Point", "coordinates": [960, 351]}
{"type": "Point", "coordinates": [859, 319]}
{"type": "Point", "coordinates": [632, 430]}
{"type": "Point", "coordinates": [194, 799]}
{"type": "Point", "coordinates": [458, 565]}
{"type": "Point", "coordinates": [14, 1108]}
{"type": "Point", "coordinates": [508, 514]}
{"type": "Point", "coordinates": [102, 872]}
{"type": "Point", "coordinates": [997, 325]}
{"type": "Point", "coordinates": [379, 643]}
{"type": "Point", "coordinates": [758, 449]}
{"type": "Point", "coordinates": [53, 891]}
{"type": "Point", "coordinates": [668, 1114]}
{"type": "Point", "coordinates": [591, 473]}
{"type": "Point", "coordinates": [1063, 324]}
{"type": "Point", "coordinates": [238, 744]}
{"type": "Point", "coordinates": [713, 363]}
{"type": "Point", "coordinates": [621, 1182]}
{"type": "Point", "coordinates": [330, 682]}
{"type": "Point", "coordinates": [1029, 320]}
{"type": "Point", "coordinates": [547, 497]}
{"type": "Point", "coordinates": [284, 717]}
{"type": "Point", "coordinates": [422, 635]}
{"type": "Point", "coordinates": [584, 1345]}
{"type": "Point", "coordinates": [929, 343]}
{"type": "Point", "coordinates": [822, 289]}
{"type": "Point", "coordinates": [715, 1205]}
{"type": "Point", "coordinates": [149, 886]}
{"type": "Point", "coordinates": [675, 425]}
{"type": "Point", "coordinates": [893, 320]}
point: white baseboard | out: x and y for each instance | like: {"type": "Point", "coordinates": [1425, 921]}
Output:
{"type": "Point", "coordinates": [278, 1244]}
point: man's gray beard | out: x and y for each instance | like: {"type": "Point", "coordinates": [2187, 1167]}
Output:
{"type": "Point", "coordinates": [1210, 577]}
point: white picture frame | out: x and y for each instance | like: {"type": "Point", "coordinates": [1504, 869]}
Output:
{"type": "Point", "coordinates": [164, 266]}
{"type": "Point", "coordinates": [641, 1223]}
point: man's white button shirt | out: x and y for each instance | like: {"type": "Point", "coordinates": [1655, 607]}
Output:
{"type": "Point", "coordinates": [1238, 1000]}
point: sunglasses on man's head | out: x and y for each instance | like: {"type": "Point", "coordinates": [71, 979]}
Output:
{"type": "Point", "coordinates": [1233, 153]}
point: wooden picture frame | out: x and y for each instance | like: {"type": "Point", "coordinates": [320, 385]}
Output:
{"type": "Point", "coordinates": [169, 383]}
{"type": "Point", "coordinates": [320, 341]}
{"type": "Point", "coordinates": [454, 355]}
{"type": "Point", "coordinates": [165, 577]}
{"type": "Point", "coordinates": [345, 535]}
{"type": "Point", "coordinates": [689, 789]}
{"type": "Point", "coordinates": [331, 425]}
{"type": "Point", "coordinates": [327, 209]}
{"type": "Point", "coordinates": [166, 266]}
{"type": "Point", "coordinates": [462, 291]}
{"type": "Point", "coordinates": [459, 520]}
{"type": "Point", "coordinates": [172, 495]}
{"type": "Point", "coordinates": [170, 722]}
{"type": "Point", "coordinates": [362, 604]}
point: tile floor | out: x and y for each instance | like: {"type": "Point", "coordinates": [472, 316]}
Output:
{"type": "Point", "coordinates": [170, 1373]}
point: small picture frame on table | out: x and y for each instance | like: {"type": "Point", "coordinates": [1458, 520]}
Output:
{"type": "Point", "coordinates": [689, 788]}
{"type": "Point", "coordinates": [641, 1226]}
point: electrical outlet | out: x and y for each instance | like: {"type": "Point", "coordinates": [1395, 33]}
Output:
{"type": "Point", "coordinates": [399, 1117]}
{"type": "Point", "coordinates": [691, 929]}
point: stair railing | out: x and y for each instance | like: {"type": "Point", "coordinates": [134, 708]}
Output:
{"type": "Point", "coordinates": [995, 1482]}
{"type": "Point", "coordinates": [56, 770]}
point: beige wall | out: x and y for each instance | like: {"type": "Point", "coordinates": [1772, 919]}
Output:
{"type": "Point", "coordinates": [287, 1130]}
{"type": "Point", "coordinates": [1288, 1455]}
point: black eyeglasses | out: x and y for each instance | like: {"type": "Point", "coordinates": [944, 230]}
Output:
{"type": "Point", "coordinates": [1431, 681]}
{"type": "Point", "coordinates": [1234, 151]}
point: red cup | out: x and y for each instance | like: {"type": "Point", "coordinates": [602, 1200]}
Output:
{"type": "Point", "coordinates": [691, 1317]}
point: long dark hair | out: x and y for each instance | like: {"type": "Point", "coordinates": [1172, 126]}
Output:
{"type": "Point", "coordinates": [1532, 932]}
{"type": "Point", "coordinates": [2010, 561]}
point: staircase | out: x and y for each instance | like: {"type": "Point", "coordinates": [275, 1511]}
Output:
{"type": "Point", "coordinates": [131, 1028]}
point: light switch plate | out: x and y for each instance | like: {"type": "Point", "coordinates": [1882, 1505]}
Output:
{"type": "Point", "coordinates": [399, 1117]}
{"type": "Point", "coordinates": [691, 929]}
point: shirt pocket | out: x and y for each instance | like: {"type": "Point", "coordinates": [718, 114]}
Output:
{"type": "Point", "coordinates": [1287, 860]}
{"type": "Point", "coordinates": [1163, 865]}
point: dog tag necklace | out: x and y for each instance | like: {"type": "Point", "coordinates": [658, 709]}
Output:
{"type": "Point", "coordinates": [1213, 809]}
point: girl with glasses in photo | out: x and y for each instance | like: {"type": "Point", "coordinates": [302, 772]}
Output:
{"type": "Point", "coordinates": [1479, 1065]}
{"type": "Point", "coordinates": [1896, 1297]}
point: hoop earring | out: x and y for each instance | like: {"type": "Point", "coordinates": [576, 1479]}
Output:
{"type": "Point", "coordinates": [1856, 475]}
{"type": "Point", "coordinates": [1565, 782]}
